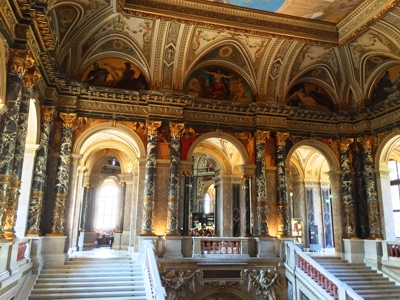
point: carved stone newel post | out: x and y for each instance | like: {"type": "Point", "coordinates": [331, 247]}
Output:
{"type": "Point", "coordinates": [39, 174]}
{"type": "Point", "coordinates": [150, 178]}
{"type": "Point", "coordinates": [62, 176]}
{"type": "Point", "coordinates": [370, 183]}
{"type": "Point", "coordinates": [261, 183]}
{"type": "Point", "coordinates": [20, 62]}
{"type": "Point", "coordinates": [281, 188]}
{"type": "Point", "coordinates": [173, 189]}
{"type": "Point", "coordinates": [347, 190]}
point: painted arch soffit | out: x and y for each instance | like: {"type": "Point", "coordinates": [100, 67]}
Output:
{"type": "Point", "coordinates": [110, 137]}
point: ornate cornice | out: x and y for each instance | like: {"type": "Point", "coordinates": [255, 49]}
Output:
{"type": "Point", "coordinates": [226, 17]}
{"type": "Point", "coordinates": [367, 13]}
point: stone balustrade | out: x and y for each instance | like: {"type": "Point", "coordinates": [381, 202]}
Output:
{"type": "Point", "coordinates": [393, 249]}
{"type": "Point", "coordinates": [220, 247]}
{"type": "Point", "coordinates": [302, 268]}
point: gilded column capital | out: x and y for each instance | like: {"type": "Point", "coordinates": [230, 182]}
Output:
{"type": "Point", "coordinates": [31, 78]}
{"type": "Point", "coordinates": [281, 138]}
{"type": "Point", "coordinates": [366, 142]}
{"type": "Point", "coordinates": [20, 61]}
{"type": "Point", "coordinates": [48, 113]}
{"type": "Point", "coordinates": [261, 136]}
{"type": "Point", "coordinates": [152, 127]}
{"type": "Point", "coordinates": [344, 143]}
{"type": "Point", "coordinates": [68, 119]}
{"type": "Point", "coordinates": [176, 128]}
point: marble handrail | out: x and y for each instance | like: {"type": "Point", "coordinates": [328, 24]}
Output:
{"type": "Point", "coordinates": [298, 261]}
{"type": "Point", "coordinates": [153, 285]}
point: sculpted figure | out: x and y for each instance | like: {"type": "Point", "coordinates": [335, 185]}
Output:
{"type": "Point", "coordinates": [176, 283]}
{"type": "Point", "coordinates": [264, 283]}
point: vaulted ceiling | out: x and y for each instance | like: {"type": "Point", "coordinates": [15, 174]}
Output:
{"type": "Point", "coordinates": [167, 41]}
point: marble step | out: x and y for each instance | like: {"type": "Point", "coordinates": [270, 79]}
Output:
{"type": "Point", "coordinates": [91, 270]}
{"type": "Point", "coordinates": [89, 280]}
{"type": "Point", "coordinates": [47, 284]}
{"type": "Point", "coordinates": [90, 295]}
{"type": "Point", "coordinates": [100, 288]}
{"type": "Point", "coordinates": [90, 274]}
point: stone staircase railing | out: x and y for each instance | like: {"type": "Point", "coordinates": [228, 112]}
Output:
{"type": "Point", "coordinates": [307, 272]}
{"type": "Point", "coordinates": [217, 246]}
{"type": "Point", "coordinates": [153, 285]}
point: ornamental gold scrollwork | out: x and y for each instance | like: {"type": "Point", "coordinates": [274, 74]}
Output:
{"type": "Point", "coordinates": [68, 119]}
{"type": "Point", "coordinates": [176, 129]}
{"type": "Point", "coordinates": [262, 136]}
{"type": "Point", "coordinates": [281, 138]}
{"type": "Point", "coordinates": [152, 127]}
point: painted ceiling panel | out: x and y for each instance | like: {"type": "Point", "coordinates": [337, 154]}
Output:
{"type": "Point", "coordinates": [329, 10]}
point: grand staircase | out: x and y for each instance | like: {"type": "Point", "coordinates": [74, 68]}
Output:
{"type": "Point", "coordinates": [91, 278]}
{"type": "Point", "coordinates": [366, 282]}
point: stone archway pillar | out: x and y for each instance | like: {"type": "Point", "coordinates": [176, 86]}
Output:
{"type": "Point", "coordinates": [150, 179]}
{"type": "Point", "coordinates": [281, 186]}
{"type": "Point", "coordinates": [261, 183]}
{"type": "Point", "coordinates": [349, 217]}
{"type": "Point", "coordinates": [336, 191]}
{"type": "Point", "coordinates": [374, 219]}
{"type": "Point", "coordinates": [386, 208]}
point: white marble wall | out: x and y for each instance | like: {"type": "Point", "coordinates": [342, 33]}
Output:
{"type": "Point", "coordinates": [137, 206]}
{"type": "Point", "coordinates": [385, 204]}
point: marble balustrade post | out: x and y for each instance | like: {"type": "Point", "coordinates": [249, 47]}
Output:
{"type": "Point", "coordinates": [173, 189]}
{"type": "Point", "coordinates": [62, 176]}
{"type": "Point", "coordinates": [374, 219]}
{"type": "Point", "coordinates": [150, 179]}
{"type": "Point", "coordinates": [349, 214]}
{"type": "Point", "coordinates": [282, 204]}
{"type": "Point", "coordinates": [39, 176]}
{"type": "Point", "coordinates": [261, 183]}
{"type": "Point", "coordinates": [122, 193]}
{"type": "Point", "coordinates": [20, 62]}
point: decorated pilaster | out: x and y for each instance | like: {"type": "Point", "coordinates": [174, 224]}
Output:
{"type": "Point", "coordinates": [122, 194]}
{"type": "Point", "coordinates": [39, 175]}
{"type": "Point", "coordinates": [62, 176]}
{"type": "Point", "coordinates": [173, 227]}
{"type": "Point", "coordinates": [347, 190]}
{"type": "Point", "coordinates": [86, 208]}
{"type": "Point", "coordinates": [282, 204]}
{"type": "Point", "coordinates": [186, 200]}
{"type": "Point", "coordinates": [261, 183]}
{"type": "Point", "coordinates": [370, 183]}
{"type": "Point", "coordinates": [20, 62]}
{"type": "Point", "coordinates": [150, 178]}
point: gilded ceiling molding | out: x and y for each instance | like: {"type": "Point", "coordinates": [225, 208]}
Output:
{"type": "Point", "coordinates": [157, 63]}
{"type": "Point", "coordinates": [110, 108]}
{"type": "Point", "coordinates": [223, 17]}
{"type": "Point", "coordinates": [7, 18]}
{"type": "Point", "coordinates": [181, 63]}
{"type": "Point", "coordinates": [218, 118]}
{"type": "Point", "coordinates": [363, 17]}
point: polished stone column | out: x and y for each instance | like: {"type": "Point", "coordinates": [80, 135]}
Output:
{"type": "Point", "coordinates": [15, 186]}
{"type": "Point", "coordinates": [62, 176]}
{"type": "Point", "coordinates": [20, 61]}
{"type": "Point", "coordinates": [247, 203]}
{"type": "Point", "coordinates": [39, 175]}
{"type": "Point", "coordinates": [150, 178]}
{"type": "Point", "coordinates": [349, 219]}
{"type": "Point", "coordinates": [186, 200]}
{"type": "Point", "coordinates": [282, 200]}
{"type": "Point", "coordinates": [173, 189]}
{"type": "Point", "coordinates": [261, 183]}
{"type": "Point", "coordinates": [374, 220]}
{"type": "Point", "coordinates": [86, 208]}
{"type": "Point", "coordinates": [122, 193]}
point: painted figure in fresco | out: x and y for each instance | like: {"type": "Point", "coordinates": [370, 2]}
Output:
{"type": "Point", "coordinates": [218, 89]}
{"type": "Point", "coordinates": [187, 138]}
{"type": "Point", "coordinates": [382, 89]}
{"type": "Point", "coordinates": [306, 100]}
{"type": "Point", "coordinates": [198, 85]}
{"type": "Point", "coordinates": [97, 76]}
{"type": "Point", "coordinates": [125, 80]}
{"type": "Point", "coordinates": [237, 89]}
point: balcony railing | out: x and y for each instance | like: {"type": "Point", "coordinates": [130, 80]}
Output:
{"type": "Point", "coordinates": [305, 268]}
{"type": "Point", "coordinates": [217, 247]}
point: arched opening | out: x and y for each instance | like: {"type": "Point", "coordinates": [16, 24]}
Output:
{"type": "Point", "coordinates": [310, 193]}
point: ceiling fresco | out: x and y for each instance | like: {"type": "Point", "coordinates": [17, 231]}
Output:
{"type": "Point", "coordinates": [330, 11]}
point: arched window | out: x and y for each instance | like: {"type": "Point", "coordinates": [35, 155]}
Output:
{"type": "Point", "coordinates": [107, 205]}
{"type": "Point", "coordinates": [395, 192]}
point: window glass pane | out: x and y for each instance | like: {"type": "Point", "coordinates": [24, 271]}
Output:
{"type": "Point", "coordinates": [393, 167]}
{"type": "Point", "coordinates": [107, 206]}
{"type": "Point", "coordinates": [394, 189]}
